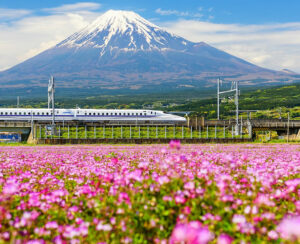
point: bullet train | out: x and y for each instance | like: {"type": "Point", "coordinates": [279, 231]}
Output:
{"type": "Point", "coordinates": [90, 115]}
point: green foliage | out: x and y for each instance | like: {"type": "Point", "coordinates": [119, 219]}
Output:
{"type": "Point", "coordinates": [118, 132]}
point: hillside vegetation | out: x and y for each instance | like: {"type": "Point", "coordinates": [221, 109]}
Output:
{"type": "Point", "coordinates": [269, 102]}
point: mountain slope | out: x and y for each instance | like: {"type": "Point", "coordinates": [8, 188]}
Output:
{"type": "Point", "coordinates": [120, 50]}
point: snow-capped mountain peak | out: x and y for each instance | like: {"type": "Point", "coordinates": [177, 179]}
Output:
{"type": "Point", "coordinates": [122, 51]}
{"type": "Point", "coordinates": [120, 21]}
{"type": "Point", "coordinates": [123, 30]}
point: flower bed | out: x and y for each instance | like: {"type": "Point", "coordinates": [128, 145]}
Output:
{"type": "Point", "coordinates": [150, 194]}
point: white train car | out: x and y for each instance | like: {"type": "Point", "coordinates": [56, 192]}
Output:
{"type": "Point", "coordinates": [90, 115]}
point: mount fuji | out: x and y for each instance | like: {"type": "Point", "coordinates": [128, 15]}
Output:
{"type": "Point", "coordinates": [121, 51]}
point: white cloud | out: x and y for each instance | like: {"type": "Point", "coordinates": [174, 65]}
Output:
{"type": "Point", "coordinates": [25, 38]}
{"type": "Point", "coordinates": [8, 14]}
{"type": "Point", "coordinates": [274, 46]}
{"type": "Point", "coordinates": [171, 12]}
{"type": "Point", "coordinates": [178, 13]}
{"type": "Point", "coordinates": [76, 7]}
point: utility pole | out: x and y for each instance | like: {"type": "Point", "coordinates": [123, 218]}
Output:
{"type": "Point", "coordinates": [280, 113]}
{"type": "Point", "coordinates": [237, 106]}
{"type": "Point", "coordinates": [218, 100]}
{"type": "Point", "coordinates": [234, 88]}
{"type": "Point", "coordinates": [18, 101]}
{"type": "Point", "coordinates": [51, 91]}
{"type": "Point", "coordinates": [288, 127]}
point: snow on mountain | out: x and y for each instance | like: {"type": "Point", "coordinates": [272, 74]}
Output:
{"type": "Point", "coordinates": [124, 30]}
{"type": "Point", "coordinates": [121, 50]}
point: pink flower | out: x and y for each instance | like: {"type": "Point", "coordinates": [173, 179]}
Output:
{"type": "Point", "coordinates": [123, 197]}
{"type": "Point", "coordinates": [11, 188]}
{"type": "Point", "coordinates": [104, 227]}
{"type": "Point", "coordinates": [175, 144]}
{"type": "Point", "coordinates": [273, 235]}
{"type": "Point", "coordinates": [264, 200]}
{"type": "Point", "coordinates": [289, 228]}
{"type": "Point", "coordinates": [239, 219]}
{"type": "Point", "coordinates": [51, 225]}
{"type": "Point", "coordinates": [180, 199]}
{"type": "Point", "coordinates": [163, 180]}
{"type": "Point", "coordinates": [293, 182]}
{"type": "Point", "coordinates": [224, 239]}
{"type": "Point", "coordinates": [114, 160]}
{"type": "Point", "coordinates": [186, 210]}
{"type": "Point", "coordinates": [167, 198]}
{"type": "Point", "coordinates": [36, 242]}
{"type": "Point", "coordinates": [191, 233]}
{"type": "Point", "coordinates": [189, 185]}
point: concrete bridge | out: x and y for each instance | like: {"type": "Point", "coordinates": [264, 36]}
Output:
{"type": "Point", "coordinates": [281, 126]}
{"type": "Point", "coordinates": [23, 128]}
{"type": "Point", "coordinates": [28, 130]}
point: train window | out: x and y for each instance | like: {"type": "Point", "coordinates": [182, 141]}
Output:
{"type": "Point", "coordinates": [145, 114]}
{"type": "Point", "coordinates": [10, 113]}
{"type": "Point", "coordinates": [6, 113]}
{"type": "Point", "coordinates": [24, 113]}
{"type": "Point", "coordinates": [94, 113]}
{"type": "Point", "coordinates": [120, 114]}
{"type": "Point", "coordinates": [85, 113]}
{"type": "Point", "coordinates": [106, 113]}
{"type": "Point", "coordinates": [38, 113]}
{"type": "Point", "coordinates": [90, 113]}
{"type": "Point", "coordinates": [1, 113]}
{"type": "Point", "coordinates": [42, 113]}
{"type": "Point", "coordinates": [116, 113]}
{"type": "Point", "coordinates": [29, 113]}
{"type": "Point", "coordinates": [20, 113]}
{"type": "Point", "coordinates": [16, 113]}
{"type": "Point", "coordinates": [141, 113]}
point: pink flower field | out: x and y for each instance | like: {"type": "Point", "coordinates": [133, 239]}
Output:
{"type": "Point", "coordinates": [150, 194]}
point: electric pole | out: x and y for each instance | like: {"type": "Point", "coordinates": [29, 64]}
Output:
{"type": "Point", "coordinates": [51, 91]}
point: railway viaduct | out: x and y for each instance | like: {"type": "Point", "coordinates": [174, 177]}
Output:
{"type": "Point", "coordinates": [282, 127]}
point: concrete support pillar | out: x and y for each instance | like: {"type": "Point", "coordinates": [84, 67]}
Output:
{"type": "Point", "coordinates": [215, 131]}
{"type": "Point", "coordinates": [207, 131]}
{"type": "Point", "coordinates": [147, 131]}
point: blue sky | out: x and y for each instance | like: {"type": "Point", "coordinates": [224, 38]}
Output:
{"type": "Point", "coordinates": [264, 32]}
{"type": "Point", "coordinates": [224, 11]}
